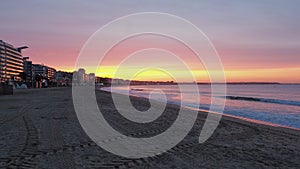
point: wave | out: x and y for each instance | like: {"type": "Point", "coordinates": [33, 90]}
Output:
{"type": "Point", "coordinates": [137, 89]}
{"type": "Point", "coordinates": [265, 100]}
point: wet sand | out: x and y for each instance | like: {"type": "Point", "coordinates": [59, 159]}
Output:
{"type": "Point", "coordinates": [39, 129]}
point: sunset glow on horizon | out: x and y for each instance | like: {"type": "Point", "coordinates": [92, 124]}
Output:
{"type": "Point", "coordinates": [260, 46]}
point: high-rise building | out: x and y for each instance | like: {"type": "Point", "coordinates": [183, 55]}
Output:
{"type": "Point", "coordinates": [28, 70]}
{"type": "Point", "coordinates": [11, 62]}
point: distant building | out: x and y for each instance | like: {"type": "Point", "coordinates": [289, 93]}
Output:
{"type": "Point", "coordinates": [51, 73]}
{"type": "Point", "coordinates": [44, 76]}
{"type": "Point", "coordinates": [40, 70]}
{"type": "Point", "coordinates": [81, 76]}
{"type": "Point", "coordinates": [43, 71]}
{"type": "Point", "coordinates": [75, 77]}
{"type": "Point", "coordinates": [63, 78]}
{"type": "Point", "coordinates": [28, 70]}
{"type": "Point", "coordinates": [91, 77]}
{"type": "Point", "coordinates": [11, 62]}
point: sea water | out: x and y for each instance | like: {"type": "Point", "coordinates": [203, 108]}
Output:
{"type": "Point", "coordinates": [272, 103]}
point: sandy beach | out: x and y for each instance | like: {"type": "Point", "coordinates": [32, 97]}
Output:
{"type": "Point", "coordinates": [40, 129]}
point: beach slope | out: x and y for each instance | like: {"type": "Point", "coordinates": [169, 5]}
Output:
{"type": "Point", "coordinates": [40, 129]}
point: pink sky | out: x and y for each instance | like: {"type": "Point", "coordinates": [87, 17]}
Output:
{"type": "Point", "coordinates": [257, 40]}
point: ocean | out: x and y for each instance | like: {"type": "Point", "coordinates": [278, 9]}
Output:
{"type": "Point", "coordinates": [275, 104]}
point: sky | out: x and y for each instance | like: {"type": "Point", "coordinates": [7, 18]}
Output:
{"type": "Point", "coordinates": [257, 40]}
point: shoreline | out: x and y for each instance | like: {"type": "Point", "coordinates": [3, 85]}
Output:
{"type": "Point", "coordinates": [260, 122]}
{"type": "Point", "coordinates": [223, 114]}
